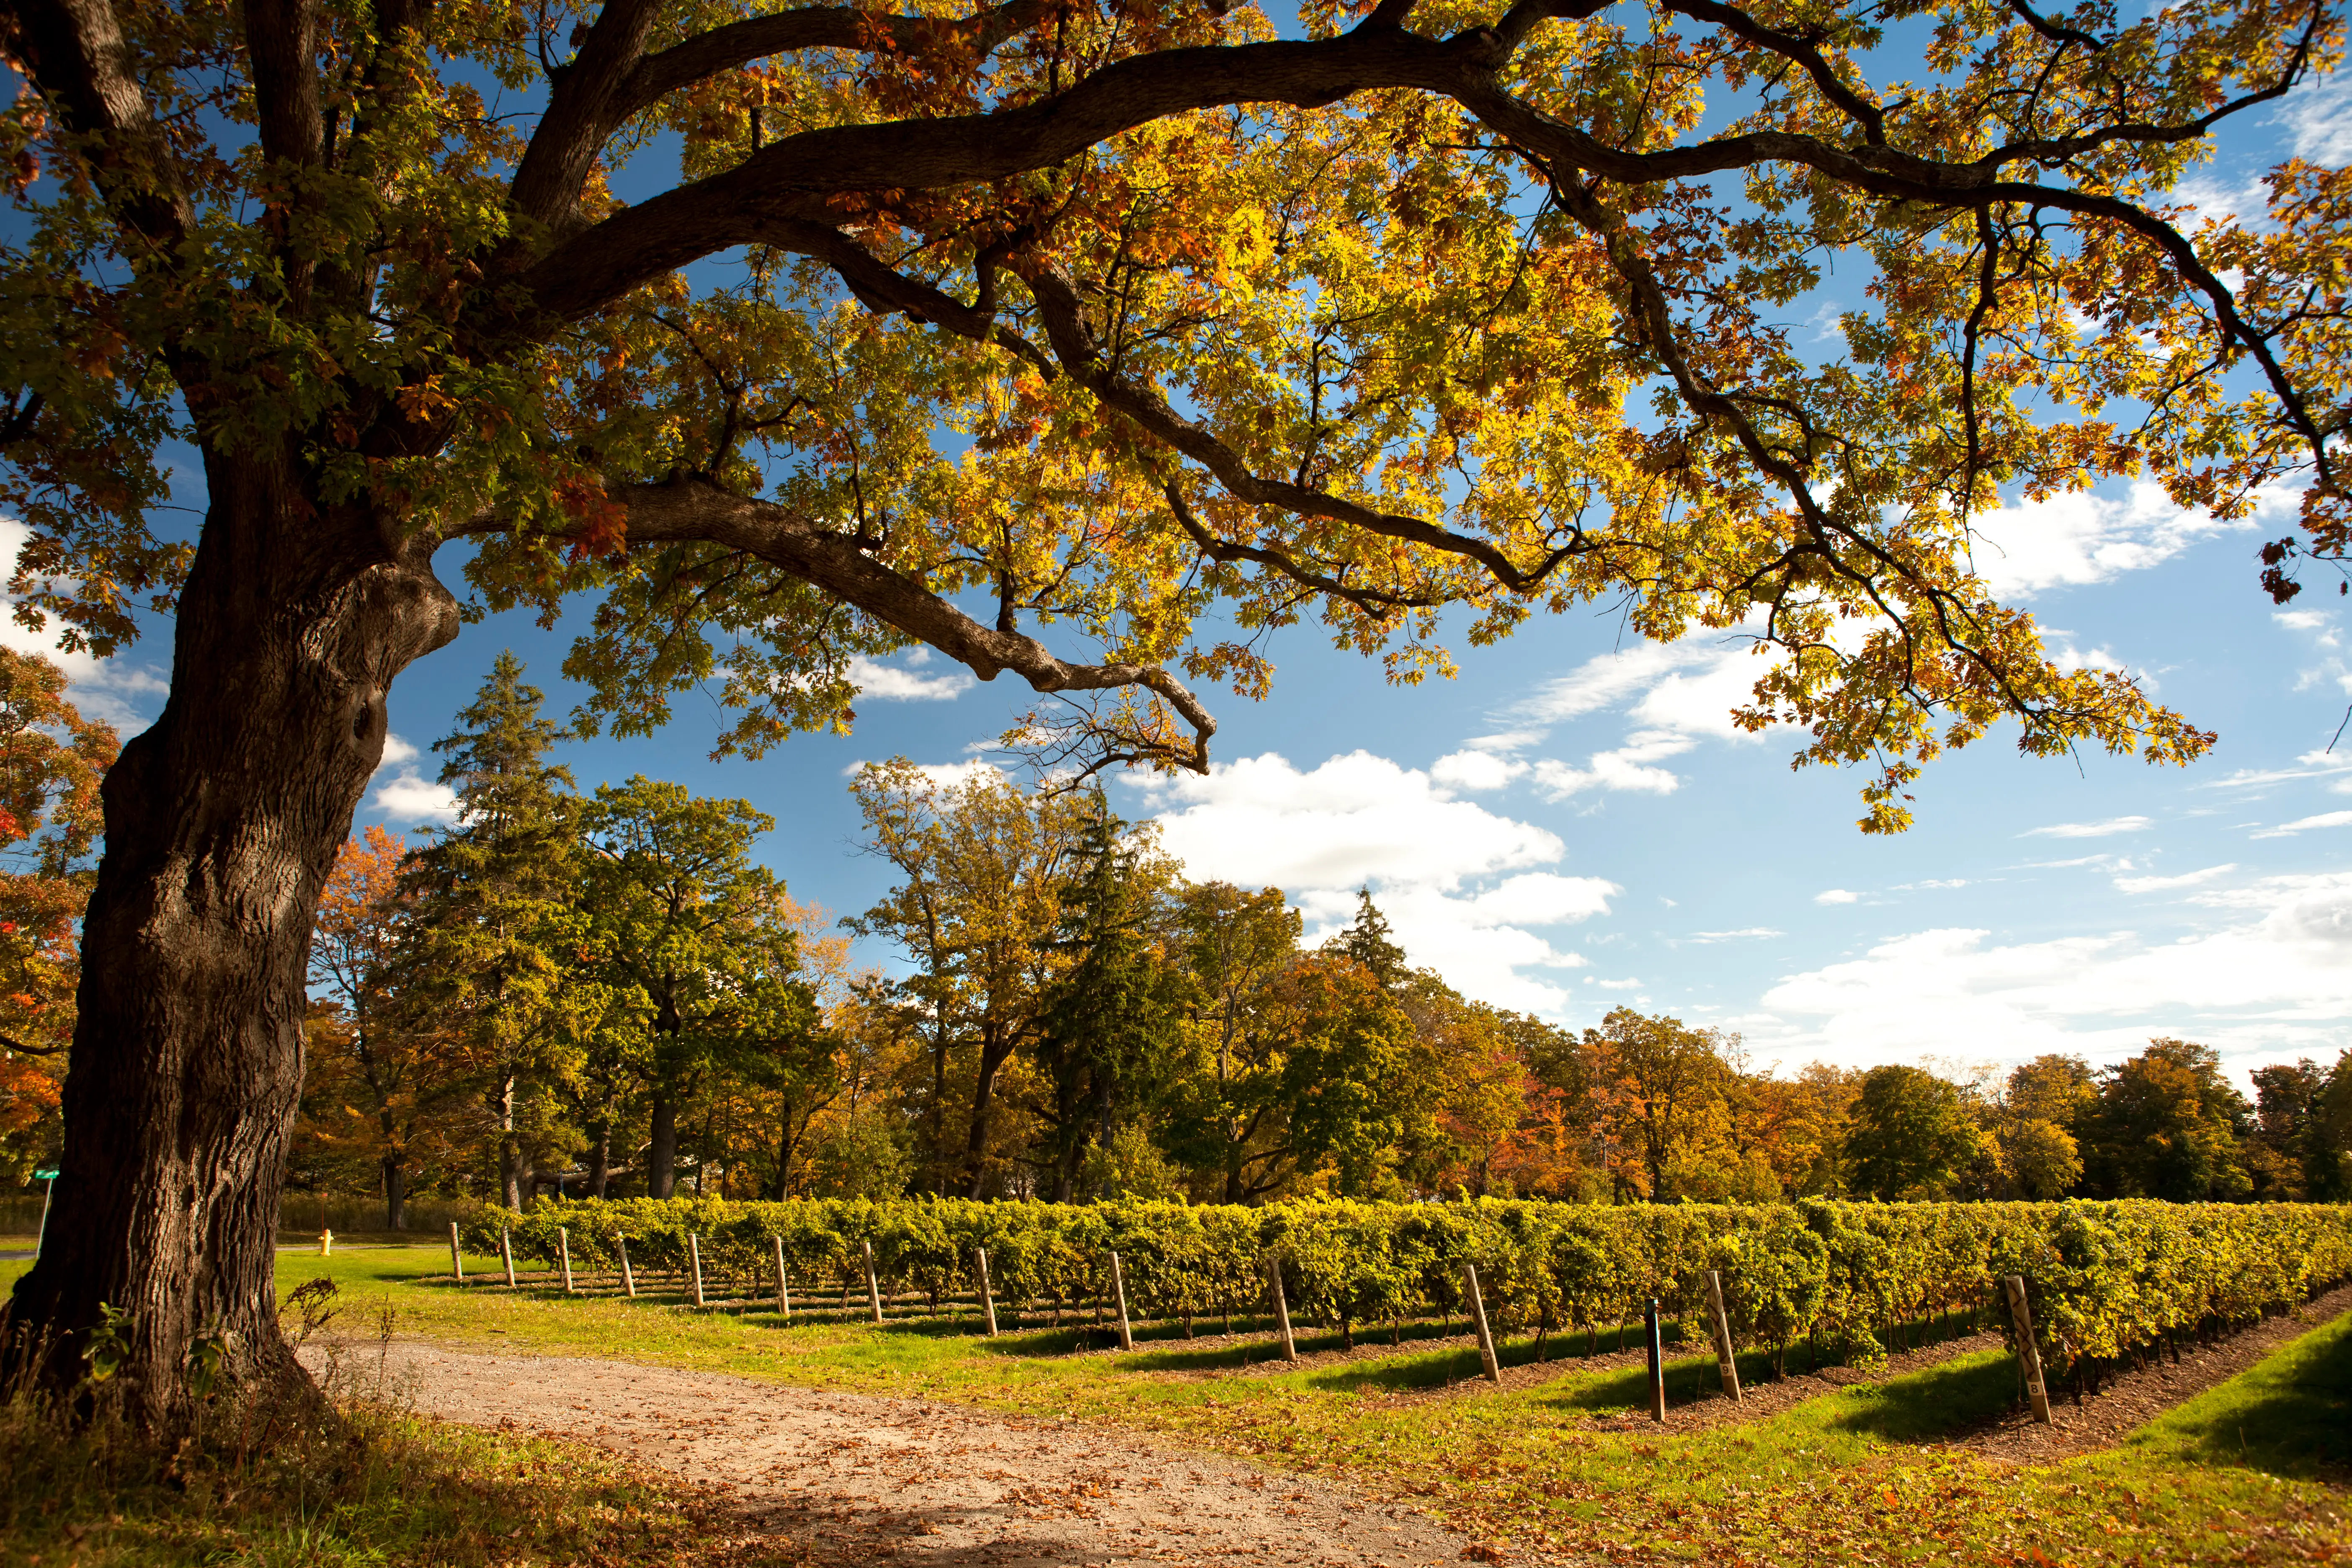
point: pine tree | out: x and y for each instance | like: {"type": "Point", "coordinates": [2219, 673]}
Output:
{"type": "Point", "coordinates": [490, 955]}
{"type": "Point", "coordinates": [1369, 944]}
{"type": "Point", "coordinates": [1109, 1019]}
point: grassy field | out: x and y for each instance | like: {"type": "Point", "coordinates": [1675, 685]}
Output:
{"type": "Point", "coordinates": [2253, 1471]}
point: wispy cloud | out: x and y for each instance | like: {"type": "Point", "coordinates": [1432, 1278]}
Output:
{"type": "Point", "coordinates": [2090, 829]}
{"type": "Point", "coordinates": [2309, 765]}
{"type": "Point", "coordinates": [2318, 118]}
{"type": "Point", "coordinates": [1836, 896]}
{"type": "Point", "coordinates": [2164, 884]}
{"type": "Point", "coordinates": [2304, 824]}
{"type": "Point", "coordinates": [1632, 766]}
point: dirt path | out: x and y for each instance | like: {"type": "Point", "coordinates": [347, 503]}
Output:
{"type": "Point", "coordinates": [855, 1479]}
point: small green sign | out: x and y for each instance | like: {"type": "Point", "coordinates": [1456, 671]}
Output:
{"type": "Point", "coordinates": [45, 1175]}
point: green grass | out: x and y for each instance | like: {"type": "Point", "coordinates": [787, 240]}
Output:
{"type": "Point", "coordinates": [2289, 1417]}
{"type": "Point", "coordinates": [2254, 1472]}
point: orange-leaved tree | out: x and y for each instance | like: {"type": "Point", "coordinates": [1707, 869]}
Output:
{"type": "Point", "coordinates": [51, 759]}
{"type": "Point", "coordinates": [1031, 331]}
{"type": "Point", "coordinates": [379, 1089]}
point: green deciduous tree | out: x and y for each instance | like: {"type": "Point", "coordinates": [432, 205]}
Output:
{"type": "Point", "coordinates": [1914, 1135]}
{"type": "Point", "coordinates": [983, 869]}
{"type": "Point", "coordinates": [689, 936]}
{"type": "Point", "coordinates": [2166, 1124]}
{"type": "Point", "coordinates": [1226, 1110]}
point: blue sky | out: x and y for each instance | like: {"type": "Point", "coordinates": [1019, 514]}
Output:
{"type": "Point", "coordinates": [1573, 825]}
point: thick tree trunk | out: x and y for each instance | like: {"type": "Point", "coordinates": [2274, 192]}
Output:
{"type": "Point", "coordinates": [221, 823]}
{"type": "Point", "coordinates": [395, 1193]}
{"type": "Point", "coordinates": [661, 1154]}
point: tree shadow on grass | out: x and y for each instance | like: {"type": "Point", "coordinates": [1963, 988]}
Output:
{"type": "Point", "coordinates": [2290, 1415]}
{"type": "Point", "coordinates": [1932, 1402]}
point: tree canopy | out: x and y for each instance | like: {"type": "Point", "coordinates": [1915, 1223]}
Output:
{"type": "Point", "coordinates": [1429, 305]}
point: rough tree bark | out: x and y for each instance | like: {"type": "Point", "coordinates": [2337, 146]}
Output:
{"type": "Point", "coordinates": [221, 823]}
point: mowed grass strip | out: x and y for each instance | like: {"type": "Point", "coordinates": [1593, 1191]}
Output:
{"type": "Point", "coordinates": [2252, 1472]}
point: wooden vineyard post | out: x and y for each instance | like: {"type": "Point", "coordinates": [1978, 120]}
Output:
{"type": "Point", "coordinates": [1118, 1294]}
{"type": "Point", "coordinates": [1724, 1360]}
{"type": "Point", "coordinates": [506, 1252]}
{"type": "Point", "coordinates": [873, 1290]}
{"type": "Point", "coordinates": [628, 1275]}
{"type": "Point", "coordinates": [456, 1259]}
{"type": "Point", "coordinates": [563, 1246]}
{"type": "Point", "coordinates": [694, 1257]}
{"type": "Point", "coordinates": [783, 1286]}
{"type": "Point", "coordinates": [987, 1301]}
{"type": "Point", "coordinates": [1281, 1307]}
{"type": "Point", "coordinates": [2029, 1355]}
{"type": "Point", "coordinates": [1477, 1306]}
{"type": "Point", "coordinates": [1657, 1362]}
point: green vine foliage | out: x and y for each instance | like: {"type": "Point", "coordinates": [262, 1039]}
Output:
{"type": "Point", "coordinates": [2105, 1281]}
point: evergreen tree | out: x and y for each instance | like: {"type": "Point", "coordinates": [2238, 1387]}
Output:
{"type": "Point", "coordinates": [489, 956]}
{"type": "Point", "coordinates": [1107, 1039]}
{"type": "Point", "coordinates": [1369, 944]}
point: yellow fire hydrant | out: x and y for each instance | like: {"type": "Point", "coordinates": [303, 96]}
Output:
{"type": "Point", "coordinates": [326, 1243]}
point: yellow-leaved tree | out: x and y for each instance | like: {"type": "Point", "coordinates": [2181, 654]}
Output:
{"type": "Point", "coordinates": [1031, 332]}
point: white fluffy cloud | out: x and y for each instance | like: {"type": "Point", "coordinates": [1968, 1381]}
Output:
{"type": "Point", "coordinates": [1462, 886]}
{"type": "Point", "coordinates": [2087, 537]}
{"type": "Point", "coordinates": [1836, 896]}
{"type": "Point", "coordinates": [2275, 976]}
{"type": "Point", "coordinates": [1475, 770]}
{"type": "Point", "coordinates": [404, 797]}
{"type": "Point", "coordinates": [905, 680]}
{"type": "Point", "coordinates": [408, 798]}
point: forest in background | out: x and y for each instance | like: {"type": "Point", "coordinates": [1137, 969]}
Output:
{"type": "Point", "coordinates": [600, 994]}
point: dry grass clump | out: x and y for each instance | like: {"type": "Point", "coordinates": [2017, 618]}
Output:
{"type": "Point", "coordinates": [340, 1474]}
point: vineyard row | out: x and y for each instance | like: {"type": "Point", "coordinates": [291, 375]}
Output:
{"type": "Point", "coordinates": [2107, 1280]}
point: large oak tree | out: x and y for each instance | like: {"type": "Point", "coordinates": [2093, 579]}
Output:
{"type": "Point", "coordinates": [1428, 319]}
